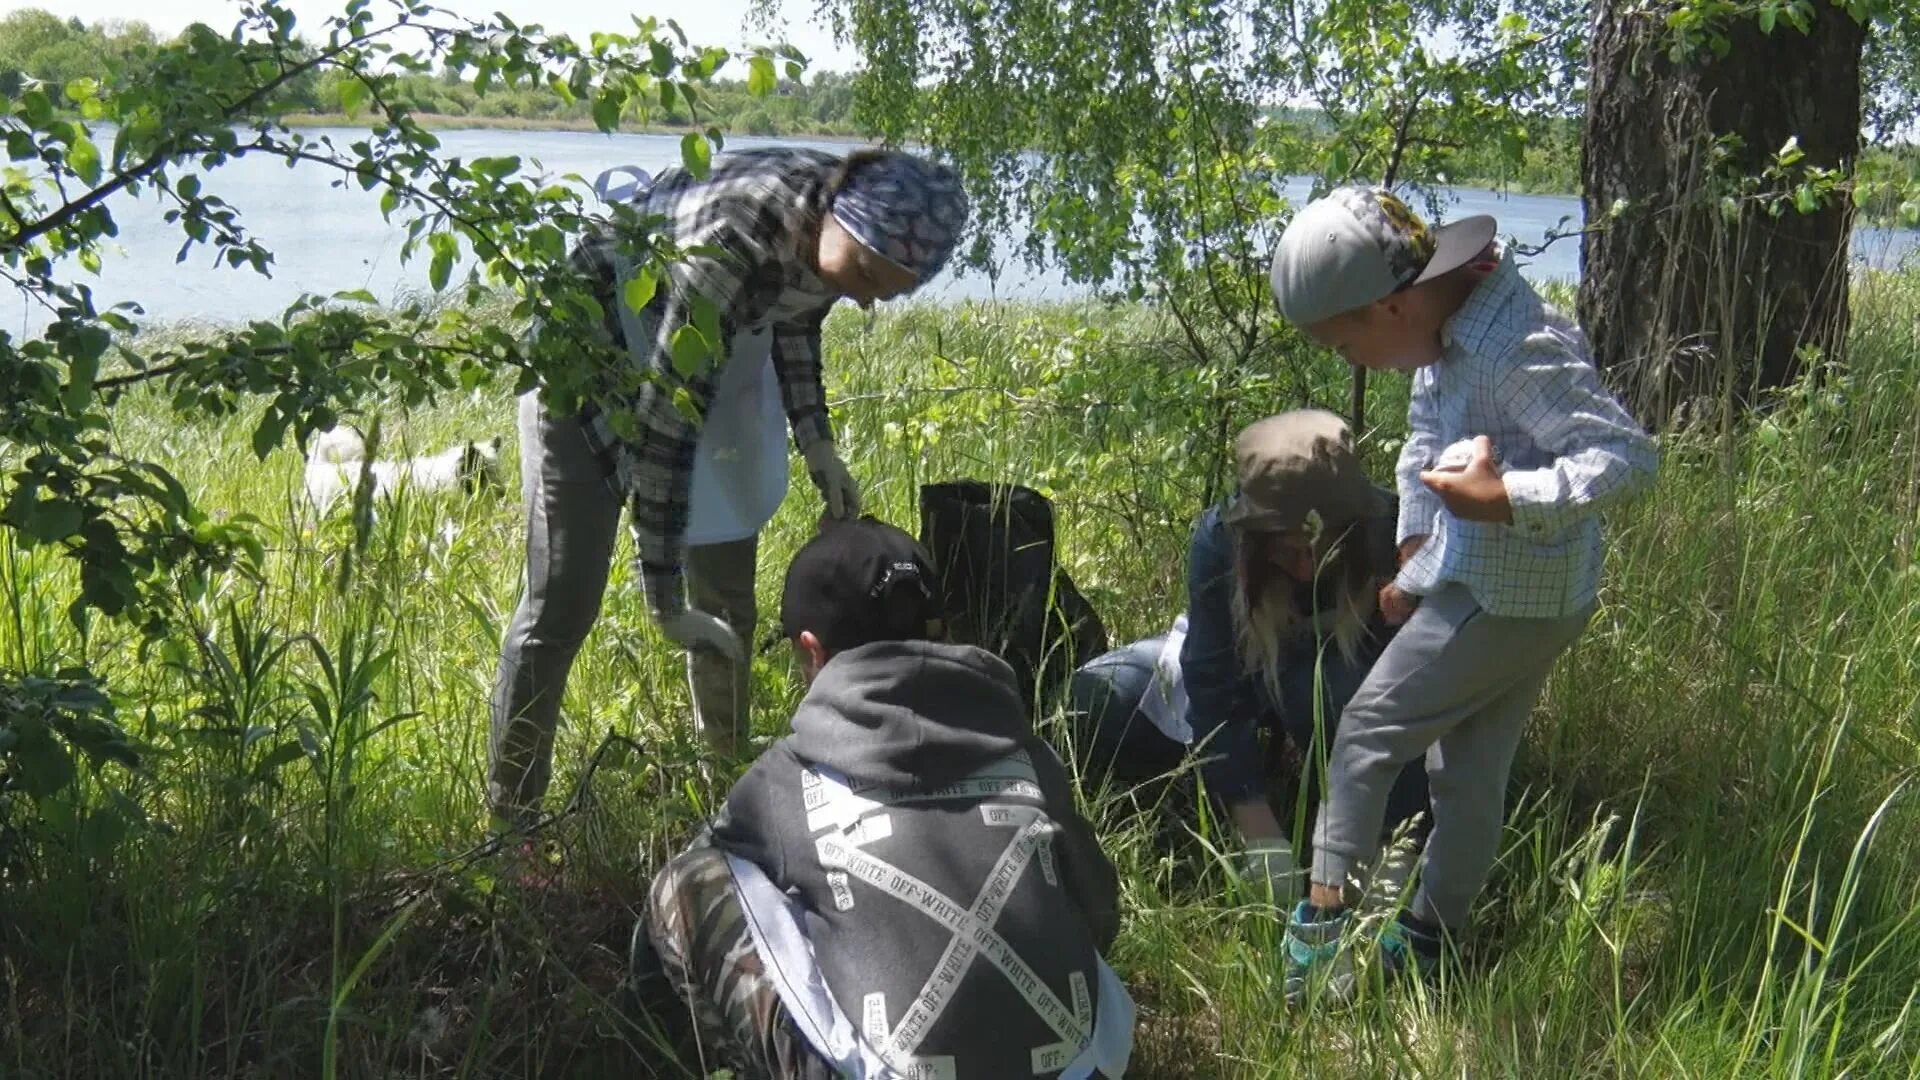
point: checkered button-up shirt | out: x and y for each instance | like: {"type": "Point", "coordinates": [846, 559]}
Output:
{"type": "Point", "coordinates": [751, 210]}
{"type": "Point", "coordinates": [1519, 373]}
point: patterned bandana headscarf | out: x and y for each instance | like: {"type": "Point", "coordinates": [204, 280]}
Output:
{"type": "Point", "coordinates": [907, 210]}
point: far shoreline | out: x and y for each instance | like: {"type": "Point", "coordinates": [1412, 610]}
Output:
{"type": "Point", "coordinates": [449, 122]}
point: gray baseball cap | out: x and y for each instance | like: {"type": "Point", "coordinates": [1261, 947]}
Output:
{"type": "Point", "coordinates": [1361, 244]}
{"type": "Point", "coordinates": [1295, 464]}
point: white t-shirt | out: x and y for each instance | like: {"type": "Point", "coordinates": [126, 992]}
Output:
{"type": "Point", "coordinates": [740, 467]}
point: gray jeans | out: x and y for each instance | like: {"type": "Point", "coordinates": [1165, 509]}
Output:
{"type": "Point", "coordinates": [573, 520]}
{"type": "Point", "coordinates": [1457, 686]}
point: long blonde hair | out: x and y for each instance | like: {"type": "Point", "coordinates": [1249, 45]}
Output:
{"type": "Point", "coordinates": [1264, 609]}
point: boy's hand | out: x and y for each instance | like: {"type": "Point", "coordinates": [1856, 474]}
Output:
{"type": "Point", "coordinates": [1396, 604]}
{"type": "Point", "coordinates": [1410, 546]}
{"type": "Point", "coordinates": [1475, 493]}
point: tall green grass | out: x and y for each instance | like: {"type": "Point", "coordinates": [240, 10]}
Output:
{"type": "Point", "coordinates": [1712, 868]}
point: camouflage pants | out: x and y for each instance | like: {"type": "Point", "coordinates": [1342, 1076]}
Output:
{"type": "Point", "coordinates": [707, 955]}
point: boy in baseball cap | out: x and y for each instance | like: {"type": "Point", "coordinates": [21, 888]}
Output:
{"type": "Point", "coordinates": [1499, 563]}
{"type": "Point", "coordinates": [903, 886]}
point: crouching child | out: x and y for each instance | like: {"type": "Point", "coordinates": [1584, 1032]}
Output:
{"type": "Point", "coordinates": [902, 887]}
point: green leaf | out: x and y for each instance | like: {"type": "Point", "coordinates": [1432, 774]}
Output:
{"type": "Point", "coordinates": [82, 698]}
{"type": "Point", "coordinates": [284, 754]}
{"type": "Point", "coordinates": [683, 404]}
{"type": "Point", "coordinates": [81, 91]}
{"type": "Point", "coordinates": [624, 426]}
{"type": "Point", "coordinates": [760, 77]}
{"type": "Point", "coordinates": [1513, 145]}
{"type": "Point", "coordinates": [84, 159]}
{"type": "Point", "coordinates": [445, 250]}
{"type": "Point", "coordinates": [266, 435]}
{"type": "Point", "coordinates": [43, 766]}
{"type": "Point", "coordinates": [81, 372]}
{"type": "Point", "coordinates": [697, 153]}
{"type": "Point", "coordinates": [640, 288]}
{"type": "Point", "coordinates": [495, 168]}
{"type": "Point", "coordinates": [38, 110]}
{"type": "Point", "coordinates": [1790, 152]}
{"type": "Point", "coordinates": [1339, 161]}
{"type": "Point", "coordinates": [606, 112]}
{"type": "Point", "coordinates": [1806, 200]}
{"type": "Point", "coordinates": [51, 521]}
{"type": "Point", "coordinates": [706, 319]}
{"type": "Point", "coordinates": [353, 94]}
{"type": "Point", "coordinates": [690, 352]}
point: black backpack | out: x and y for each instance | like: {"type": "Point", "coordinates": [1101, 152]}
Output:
{"type": "Point", "coordinates": [1000, 586]}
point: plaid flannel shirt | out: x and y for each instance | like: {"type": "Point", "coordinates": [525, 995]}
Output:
{"type": "Point", "coordinates": [1519, 373]}
{"type": "Point", "coordinates": [750, 208]}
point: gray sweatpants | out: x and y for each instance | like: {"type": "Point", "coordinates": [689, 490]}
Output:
{"type": "Point", "coordinates": [1456, 685]}
{"type": "Point", "coordinates": [573, 520]}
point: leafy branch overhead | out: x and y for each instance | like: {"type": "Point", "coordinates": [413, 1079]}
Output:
{"type": "Point", "coordinates": [1147, 146]}
{"type": "Point", "coordinates": [1132, 108]}
{"type": "Point", "coordinates": [158, 127]}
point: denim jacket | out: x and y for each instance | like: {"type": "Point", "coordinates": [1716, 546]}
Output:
{"type": "Point", "coordinates": [1226, 704]}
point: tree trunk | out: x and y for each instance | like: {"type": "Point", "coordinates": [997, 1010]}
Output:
{"type": "Point", "coordinates": [1690, 302]}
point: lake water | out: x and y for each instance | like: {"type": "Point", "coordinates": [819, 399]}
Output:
{"type": "Point", "coordinates": [326, 239]}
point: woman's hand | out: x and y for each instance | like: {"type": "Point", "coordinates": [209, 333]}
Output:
{"type": "Point", "coordinates": [837, 487]}
{"type": "Point", "coordinates": [695, 630]}
{"type": "Point", "coordinates": [1266, 857]}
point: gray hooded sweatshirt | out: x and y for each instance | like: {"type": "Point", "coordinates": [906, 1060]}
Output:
{"type": "Point", "coordinates": [952, 899]}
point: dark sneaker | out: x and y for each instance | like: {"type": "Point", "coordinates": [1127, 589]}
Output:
{"type": "Point", "coordinates": [1411, 947]}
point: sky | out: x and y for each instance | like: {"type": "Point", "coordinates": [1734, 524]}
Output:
{"type": "Point", "coordinates": [707, 22]}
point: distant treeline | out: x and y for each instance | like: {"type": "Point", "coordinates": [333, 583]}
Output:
{"type": "Point", "coordinates": [38, 45]}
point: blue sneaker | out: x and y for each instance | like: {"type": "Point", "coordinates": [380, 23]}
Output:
{"type": "Point", "coordinates": [1318, 962]}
